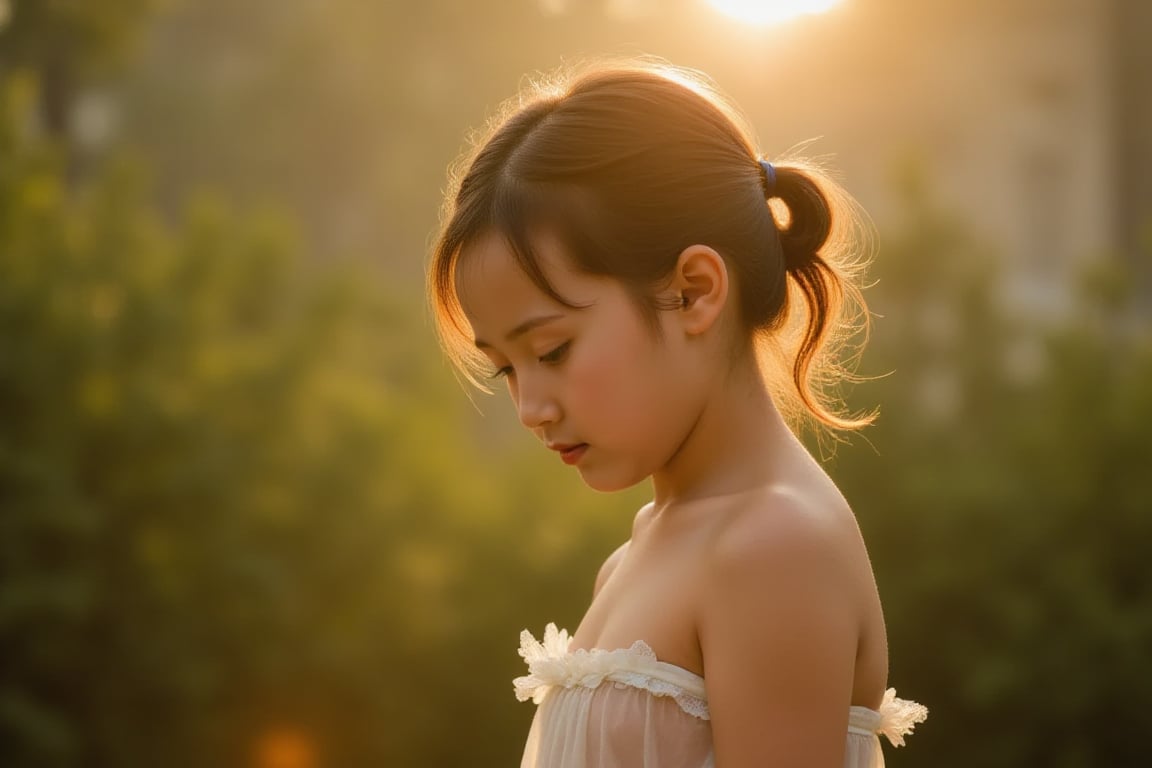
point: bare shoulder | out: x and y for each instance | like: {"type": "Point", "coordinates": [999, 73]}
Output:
{"type": "Point", "coordinates": [783, 551]}
{"type": "Point", "coordinates": [778, 629]}
{"type": "Point", "coordinates": [613, 561]}
{"type": "Point", "coordinates": [779, 530]}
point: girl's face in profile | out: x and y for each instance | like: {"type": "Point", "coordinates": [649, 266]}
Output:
{"type": "Point", "coordinates": [597, 384]}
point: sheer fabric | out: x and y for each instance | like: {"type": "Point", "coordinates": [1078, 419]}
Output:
{"type": "Point", "coordinates": [626, 709]}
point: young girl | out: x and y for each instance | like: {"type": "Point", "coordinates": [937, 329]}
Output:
{"type": "Point", "coordinates": [655, 295]}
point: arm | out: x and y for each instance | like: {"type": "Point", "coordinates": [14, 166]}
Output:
{"type": "Point", "coordinates": [778, 634]}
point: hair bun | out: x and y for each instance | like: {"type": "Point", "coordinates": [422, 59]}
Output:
{"type": "Point", "coordinates": [809, 217]}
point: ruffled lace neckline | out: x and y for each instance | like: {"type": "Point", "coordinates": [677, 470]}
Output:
{"type": "Point", "coordinates": [552, 663]}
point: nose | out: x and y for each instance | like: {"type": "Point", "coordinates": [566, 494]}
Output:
{"type": "Point", "coordinates": [535, 405]}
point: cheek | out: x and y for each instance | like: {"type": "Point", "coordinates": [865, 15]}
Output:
{"type": "Point", "coordinates": [619, 379]}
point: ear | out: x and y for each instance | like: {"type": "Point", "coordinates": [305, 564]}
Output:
{"type": "Point", "coordinates": [700, 284]}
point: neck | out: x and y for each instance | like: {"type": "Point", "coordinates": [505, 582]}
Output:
{"type": "Point", "coordinates": [736, 445]}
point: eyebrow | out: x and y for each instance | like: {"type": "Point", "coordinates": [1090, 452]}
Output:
{"type": "Point", "coordinates": [523, 328]}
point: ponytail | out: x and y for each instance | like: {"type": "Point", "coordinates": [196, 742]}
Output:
{"type": "Point", "coordinates": [824, 273]}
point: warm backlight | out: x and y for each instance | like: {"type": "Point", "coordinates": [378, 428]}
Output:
{"type": "Point", "coordinates": [771, 11]}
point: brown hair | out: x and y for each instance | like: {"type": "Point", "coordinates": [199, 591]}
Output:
{"type": "Point", "coordinates": [628, 164]}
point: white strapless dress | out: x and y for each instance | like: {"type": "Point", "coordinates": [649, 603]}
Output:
{"type": "Point", "coordinates": [626, 709]}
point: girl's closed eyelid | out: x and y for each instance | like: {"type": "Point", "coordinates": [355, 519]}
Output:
{"type": "Point", "coordinates": [556, 354]}
{"type": "Point", "coordinates": [552, 357]}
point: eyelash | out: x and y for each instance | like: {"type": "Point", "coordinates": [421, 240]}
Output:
{"type": "Point", "coordinates": [553, 357]}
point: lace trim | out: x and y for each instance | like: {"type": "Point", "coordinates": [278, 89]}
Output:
{"type": "Point", "coordinates": [898, 717]}
{"type": "Point", "coordinates": [550, 663]}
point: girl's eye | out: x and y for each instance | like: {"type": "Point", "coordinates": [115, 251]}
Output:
{"type": "Point", "coordinates": [556, 355]}
{"type": "Point", "coordinates": [548, 358]}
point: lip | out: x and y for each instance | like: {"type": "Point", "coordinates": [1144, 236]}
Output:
{"type": "Point", "coordinates": [570, 453]}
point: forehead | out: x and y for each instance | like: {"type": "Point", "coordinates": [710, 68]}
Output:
{"type": "Point", "coordinates": [496, 293]}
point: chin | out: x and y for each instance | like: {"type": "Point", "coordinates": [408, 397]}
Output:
{"type": "Point", "coordinates": [605, 483]}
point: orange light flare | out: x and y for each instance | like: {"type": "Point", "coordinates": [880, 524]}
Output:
{"type": "Point", "coordinates": [285, 748]}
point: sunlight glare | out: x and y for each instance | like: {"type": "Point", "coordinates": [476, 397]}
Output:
{"type": "Point", "coordinates": [771, 11]}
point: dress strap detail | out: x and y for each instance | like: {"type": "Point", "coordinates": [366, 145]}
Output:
{"type": "Point", "coordinates": [863, 721]}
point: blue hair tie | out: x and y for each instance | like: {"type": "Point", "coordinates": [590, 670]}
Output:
{"type": "Point", "coordinates": [769, 177]}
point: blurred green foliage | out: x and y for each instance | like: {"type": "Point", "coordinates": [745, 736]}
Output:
{"type": "Point", "coordinates": [1005, 500]}
{"type": "Point", "coordinates": [66, 44]}
{"type": "Point", "coordinates": [241, 496]}
{"type": "Point", "coordinates": [236, 497]}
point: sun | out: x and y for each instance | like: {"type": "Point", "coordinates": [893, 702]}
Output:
{"type": "Point", "coordinates": [771, 11]}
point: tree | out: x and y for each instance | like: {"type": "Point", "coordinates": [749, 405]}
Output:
{"type": "Point", "coordinates": [64, 45]}
{"type": "Point", "coordinates": [1003, 499]}
{"type": "Point", "coordinates": [239, 500]}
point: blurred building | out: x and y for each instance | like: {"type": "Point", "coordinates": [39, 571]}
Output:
{"type": "Point", "coordinates": [1054, 156]}
{"type": "Point", "coordinates": [1034, 121]}
{"type": "Point", "coordinates": [1030, 120]}
{"type": "Point", "coordinates": [1131, 48]}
